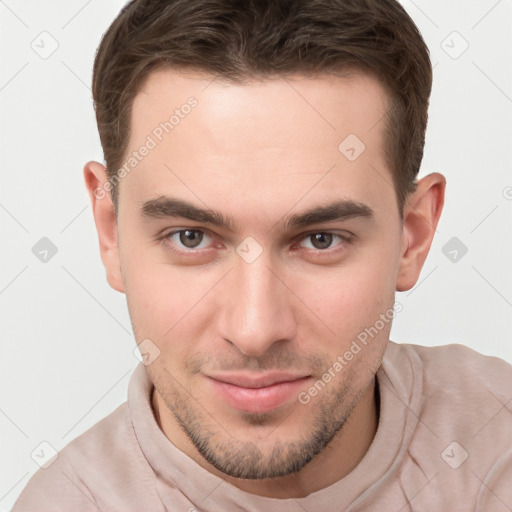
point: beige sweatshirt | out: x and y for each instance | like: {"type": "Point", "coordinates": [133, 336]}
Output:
{"type": "Point", "coordinates": [443, 444]}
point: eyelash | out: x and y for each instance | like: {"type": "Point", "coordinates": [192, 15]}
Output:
{"type": "Point", "coordinates": [344, 239]}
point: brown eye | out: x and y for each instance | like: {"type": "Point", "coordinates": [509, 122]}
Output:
{"type": "Point", "coordinates": [321, 240]}
{"type": "Point", "coordinates": [191, 238]}
{"type": "Point", "coordinates": [184, 239]}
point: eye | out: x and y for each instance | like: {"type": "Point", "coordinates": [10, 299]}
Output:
{"type": "Point", "coordinates": [188, 238]}
{"type": "Point", "coordinates": [323, 240]}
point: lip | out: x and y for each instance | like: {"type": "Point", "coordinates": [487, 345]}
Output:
{"type": "Point", "coordinates": [256, 392]}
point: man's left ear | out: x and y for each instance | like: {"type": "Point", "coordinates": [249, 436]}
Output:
{"type": "Point", "coordinates": [421, 215]}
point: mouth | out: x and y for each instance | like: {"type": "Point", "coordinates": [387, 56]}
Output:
{"type": "Point", "coordinates": [257, 392]}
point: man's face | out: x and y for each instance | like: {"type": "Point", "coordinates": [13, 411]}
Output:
{"type": "Point", "coordinates": [248, 316]}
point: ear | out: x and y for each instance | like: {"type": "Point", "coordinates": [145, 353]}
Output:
{"type": "Point", "coordinates": [95, 176]}
{"type": "Point", "coordinates": [421, 216]}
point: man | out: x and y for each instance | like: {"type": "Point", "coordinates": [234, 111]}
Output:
{"type": "Point", "coordinates": [259, 208]}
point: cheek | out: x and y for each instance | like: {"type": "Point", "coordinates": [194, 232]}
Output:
{"type": "Point", "coordinates": [352, 297]}
{"type": "Point", "coordinates": [161, 299]}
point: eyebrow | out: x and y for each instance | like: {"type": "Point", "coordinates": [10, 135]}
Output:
{"type": "Point", "coordinates": [168, 207]}
{"type": "Point", "coordinates": [339, 210]}
{"type": "Point", "coordinates": [164, 207]}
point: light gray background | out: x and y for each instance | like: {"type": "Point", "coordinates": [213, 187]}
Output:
{"type": "Point", "coordinates": [67, 344]}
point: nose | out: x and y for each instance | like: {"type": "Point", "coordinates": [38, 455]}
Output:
{"type": "Point", "coordinates": [257, 307]}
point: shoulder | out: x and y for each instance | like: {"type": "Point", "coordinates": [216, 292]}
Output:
{"type": "Point", "coordinates": [55, 488]}
{"type": "Point", "coordinates": [458, 369]}
{"type": "Point", "coordinates": [104, 458]}
{"type": "Point", "coordinates": [463, 391]}
{"type": "Point", "coordinates": [59, 485]}
{"type": "Point", "coordinates": [462, 442]}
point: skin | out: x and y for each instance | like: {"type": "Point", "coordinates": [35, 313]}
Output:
{"type": "Point", "coordinates": [258, 153]}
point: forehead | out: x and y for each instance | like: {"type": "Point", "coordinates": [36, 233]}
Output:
{"type": "Point", "coordinates": [264, 137]}
{"type": "Point", "coordinates": [327, 106]}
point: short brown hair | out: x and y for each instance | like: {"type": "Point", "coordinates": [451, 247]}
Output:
{"type": "Point", "coordinates": [238, 39]}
